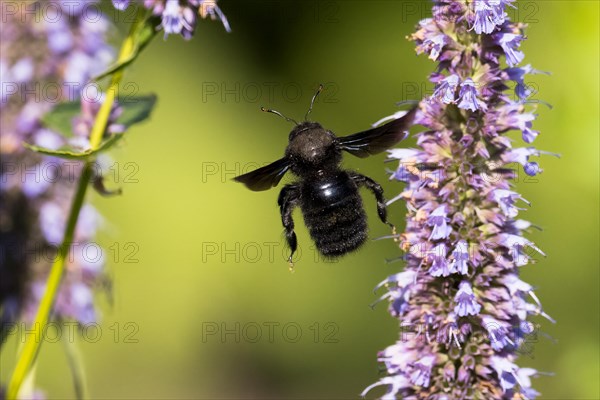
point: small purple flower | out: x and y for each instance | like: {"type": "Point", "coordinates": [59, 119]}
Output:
{"type": "Point", "coordinates": [439, 264]}
{"type": "Point", "coordinates": [488, 15]}
{"type": "Point", "coordinates": [532, 168]}
{"type": "Point", "coordinates": [466, 304]}
{"type": "Point", "coordinates": [509, 43]}
{"type": "Point", "coordinates": [434, 45]}
{"type": "Point", "coordinates": [515, 244]}
{"type": "Point", "coordinates": [521, 155]}
{"type": "Point", "coordinates": [120, 4]}
{"type": "Point", "coordinates": [512, 117]}
{"type": "Point", "coordinates": [446, 90]}
{"type": "Point", "coordinates": [438, 220]}
{"type": "Point", "coordinates": [421, 372]}
{"type": "Point", "coordinates": [468, 96]}
{"type": "Point", "coordinates": [524, 378]}
{"type": "Point", "coordinates": [395, 383]}
{"type": "Point", "coordinates": [517, 74]}
{"type": "Point", "coordinates": [401, 279]}
{"type": "Point", "coordinates": [399, 297]}
{"type": "Point", "coordinates": [506, 200]}
{"type": "Point", "coordinates": [177, 19]}
{"type": "Point", "coordinates": [431, 39]}
{"type": "Point", "coordinates": [404, 155]}
{"type": "Point", "coordinates": [497, 332]}
{"type": "Point", "coordinates": [507, 372]}
{"type": "Point", "coordinates": [460, 256]}
{"type": "Point", "coordinates": [529, 134]}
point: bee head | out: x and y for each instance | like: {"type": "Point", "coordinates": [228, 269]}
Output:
{"type": "Point", "coordinates": [312, 147]}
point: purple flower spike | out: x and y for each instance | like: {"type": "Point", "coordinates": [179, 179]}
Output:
{"type": "Point", "coordinates": [463, 244]}
{"type": "Point", "coordinates": [63, 53]}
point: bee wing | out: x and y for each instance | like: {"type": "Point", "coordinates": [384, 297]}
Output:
{"type": "Point", "coordinates": [265, 177]}
{"type": "Point", "coordinates": [376, 140]}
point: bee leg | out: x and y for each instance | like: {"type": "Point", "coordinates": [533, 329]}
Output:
{"type": "Point", "coordinates": [288, 199]}
{"type": "Point", "coordinates": [362, 180]}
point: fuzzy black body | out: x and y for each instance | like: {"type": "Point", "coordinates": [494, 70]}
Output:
{"type": "Point", "coordinates": [327, 195]}
{"type": "Point", "coordinates": [333, 213]}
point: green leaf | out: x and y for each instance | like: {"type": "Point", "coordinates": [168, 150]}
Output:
{"type": "Point", "coordinates": [73, 154]}
{"type": "Point", "coordinates": [143, 36]}
{"type": "Point", "coordinates": [136, 109]}
{"type": "Point", "coordinates": [60, 119]}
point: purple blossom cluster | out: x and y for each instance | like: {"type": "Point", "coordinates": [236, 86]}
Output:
{"type": "Point", "coordinates": [179, 17]}
{"type": "Point", "coordinates": [61, 54]}
{"type": "Point", "coordinates": [465, 313]}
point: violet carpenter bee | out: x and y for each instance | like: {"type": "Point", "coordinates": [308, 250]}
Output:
{"type": "Point", "coordinates": [327, 194]}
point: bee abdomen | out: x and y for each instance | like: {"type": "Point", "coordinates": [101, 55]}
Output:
{"type": "Point", "coordinates": [339, 228]}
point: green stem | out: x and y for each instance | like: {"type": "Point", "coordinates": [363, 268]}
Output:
{"type": "Point", "coordinates": [32, 346]}
{"type": "Point", "coordinates": [76, 366]}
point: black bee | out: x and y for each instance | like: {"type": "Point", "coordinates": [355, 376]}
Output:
{"type": "Point", "coordinates": [327, 195]}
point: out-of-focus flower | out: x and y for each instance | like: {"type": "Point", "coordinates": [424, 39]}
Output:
{"type": "Point", "coordinates": [48, 61]}
{"type": "Point", "coordinates": [179, 17]}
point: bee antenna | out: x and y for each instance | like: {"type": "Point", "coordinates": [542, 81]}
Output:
{"type": "Point", "coordinates": [312, 102]}
{"type": "Point", "coordinates": [268, 110]}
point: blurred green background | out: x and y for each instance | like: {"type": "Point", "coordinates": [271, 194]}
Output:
{"type": "Point", "coordinates": [210, 254]}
